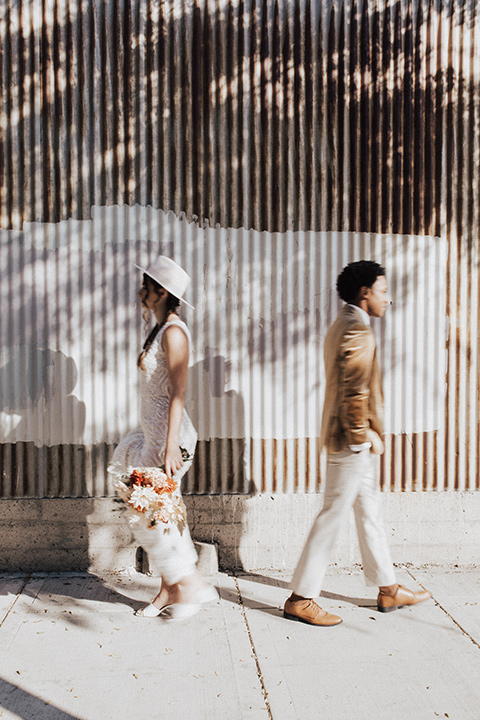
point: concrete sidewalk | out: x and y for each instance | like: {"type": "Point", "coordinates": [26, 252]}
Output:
{"type": "Point", "coordinates": [70, 647]}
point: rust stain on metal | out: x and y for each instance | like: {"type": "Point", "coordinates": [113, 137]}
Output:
{"type": "Point", "coordinates": [284, 116]}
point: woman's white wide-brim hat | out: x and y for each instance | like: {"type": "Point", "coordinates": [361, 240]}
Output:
{"type": "Point", "coordinates": [169, 275]}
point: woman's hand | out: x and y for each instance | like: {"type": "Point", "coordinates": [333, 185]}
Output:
{"type": "Point", "coordinates": [173, 460]}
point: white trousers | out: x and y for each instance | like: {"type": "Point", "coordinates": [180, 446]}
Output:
{"type": "Point", "coordinates": [351, 481]}
{"type": "Point", "coordinates": [171, 554]}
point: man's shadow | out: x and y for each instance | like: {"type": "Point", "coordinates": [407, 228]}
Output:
{"type": "Point", "coordinates": [280, 583]}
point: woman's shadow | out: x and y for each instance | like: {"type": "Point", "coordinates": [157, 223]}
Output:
{"type": "Point", "coordinates": [35, 379]}
{"type": "Point", "coordinates": [48, 592]}
{"type": "Point", "coordinates": [219, 416]}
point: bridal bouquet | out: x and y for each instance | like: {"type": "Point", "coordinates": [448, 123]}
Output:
{"type": "Point", "coordinates": [150, 494]}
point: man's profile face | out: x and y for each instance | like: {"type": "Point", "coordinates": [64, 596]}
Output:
{"type": "Point", "coordinates": [377, 297]}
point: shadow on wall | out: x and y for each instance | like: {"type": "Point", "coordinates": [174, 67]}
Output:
{"type": "Point", "coordinates": [224, 453]}
{"type": "Point", "coordinates": [41, 424]}
{"type": "Point", "coordinates": [37, 399]}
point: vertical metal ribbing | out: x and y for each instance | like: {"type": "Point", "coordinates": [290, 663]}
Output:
{"type": "Point", "coordinates": [423, 203]}
{"type": "Point", "coordinates": [398, 63]}
{"type": "Point", "coordinates": [365, 136]}
{"type": "Point", "coordinates": [452, 42]}
{"type": "Point", "coordinates": [460, 115]}
{"type": "Point", "coordinates": [438, 35]}
{"type": "Point", "coordinates": [353, 88]}
{"type": "Point", "coordinates": [470, 231]}
{"type": "Point", "coordinates": [8, 195]}
{"type": "Point", "coordinates": [408, 119]}
{"type": "Point", "coordinates": [417, 222]}
{"type": "Point", "coordinates": [184, 87]}
{"type": "Point", "coordinates": [274, 116]}
{"type": "Point", "coordinates": [330, 144]}
{"type": "Point", "coordinates": [6, 156]}
{"type": "Point", "coordinates": [386, 95]}
{"type": "Point", "coordinates": [475, 225]}
{"type": "Point", "coordinates": [374, 129]}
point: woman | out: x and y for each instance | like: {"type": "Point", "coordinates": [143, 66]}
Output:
{"type": "Point", "coordinates": [165, 438]}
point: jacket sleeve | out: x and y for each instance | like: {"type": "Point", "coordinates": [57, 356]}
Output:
{"type": "Point", "coordinates": [356, 354]}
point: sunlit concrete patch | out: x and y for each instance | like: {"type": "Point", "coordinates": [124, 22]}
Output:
{"type": "Point", "coordinates": [413, 662]}
{"type": "Point", "coordinates": [75, 646]}
{"type": "Point", "coordinates": [10, 586]}
{"type": "Point", "coordinates": [458, 594]}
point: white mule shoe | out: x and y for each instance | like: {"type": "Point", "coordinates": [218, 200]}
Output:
{"type": "Point", "coordinates": [206, 594]}
{"type": "Point", "coordinates": [150, 611]}
{"type": "Point", "coordinates": [179, 611]}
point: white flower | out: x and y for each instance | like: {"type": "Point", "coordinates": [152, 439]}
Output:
{"type": "Point", "coordinates": [116, 470]}
{"type": "Point", "coordinates": [157, 504]}
{"type": "Point", "coordinates": [120, 486]}
{"type": "Point", "coordinates": [142, 497]}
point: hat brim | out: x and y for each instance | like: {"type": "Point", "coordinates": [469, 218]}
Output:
{"type": "Point", "coordinates": [171, 293]}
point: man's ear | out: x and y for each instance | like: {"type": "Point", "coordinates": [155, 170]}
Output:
{"type": "Point", "coordinates": [363, 292]}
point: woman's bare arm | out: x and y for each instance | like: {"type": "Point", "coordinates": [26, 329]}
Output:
{"type": "Point", "coordinates": [175, 345]}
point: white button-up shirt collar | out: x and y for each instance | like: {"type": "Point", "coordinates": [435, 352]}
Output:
{"type": "Point", "coordinates": [364, 315]}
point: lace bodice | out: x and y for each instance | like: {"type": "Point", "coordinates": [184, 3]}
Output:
{"type": "Point", "coordinates": [156, 398]}
{"type": "Point", "coordinates": [146, 446]}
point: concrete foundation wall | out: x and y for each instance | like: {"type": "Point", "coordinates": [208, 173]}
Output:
{"type": "Point", "coordinates": [254, 533]}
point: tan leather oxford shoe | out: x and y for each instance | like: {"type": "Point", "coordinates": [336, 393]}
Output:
{"type": "Point", "coordinates": [403, 596]}
{"type": "Point", "coordinates": [306, 610]}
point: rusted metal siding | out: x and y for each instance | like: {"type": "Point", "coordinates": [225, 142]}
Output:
{"type": "Point", "coordinates": [261, 127]}
{"type": "Point", "coordinates": [265, 115]}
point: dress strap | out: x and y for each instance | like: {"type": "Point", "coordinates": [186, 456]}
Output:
{"type": "Point", "coordinates": [180, 324]}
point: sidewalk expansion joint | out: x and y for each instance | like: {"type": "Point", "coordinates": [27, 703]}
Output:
{"type": "Point", "coordinates": [12, 604]}
{"type": "Point", "coordinates": [455, 622]}
{"type": "Point", "coordinates": [254, 652]}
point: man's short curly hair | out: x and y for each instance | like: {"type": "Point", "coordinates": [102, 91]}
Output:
{"type": "Point", "coordinates": [355, 276]}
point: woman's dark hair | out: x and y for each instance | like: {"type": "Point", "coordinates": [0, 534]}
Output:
{"type": "Point", "coordinates": [355, 276]}
{"type": "Point", "coordinates": [171, 306]}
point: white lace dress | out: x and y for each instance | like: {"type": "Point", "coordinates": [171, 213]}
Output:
{"type": "Point", "coordinates": [171, 552]}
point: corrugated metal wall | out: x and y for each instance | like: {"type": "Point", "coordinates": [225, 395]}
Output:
{"type": "Point", "coordinates": [263, 145]}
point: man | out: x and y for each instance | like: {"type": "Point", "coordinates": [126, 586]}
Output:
{"type": "Point", "coordinates": [352, 428]}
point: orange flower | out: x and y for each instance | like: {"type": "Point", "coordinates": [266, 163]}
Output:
{"type": "Point", "coordinates": [165, 486]}
{"type": "Point", "coordinates": [139, 478]}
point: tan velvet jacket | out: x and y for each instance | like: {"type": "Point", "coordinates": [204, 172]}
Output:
{"type": "Point", "coordinates": [353, 406]}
